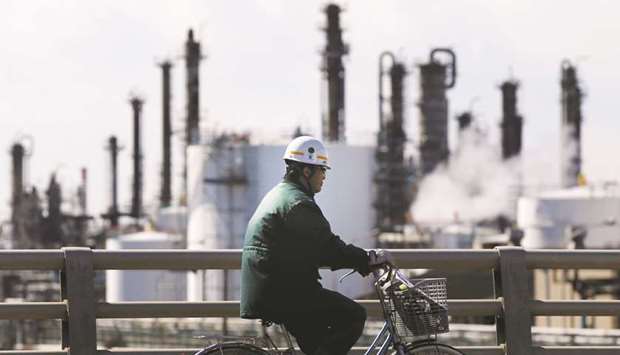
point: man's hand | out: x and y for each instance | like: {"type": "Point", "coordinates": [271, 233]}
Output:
{"type": "Point", "coordinates": [378, 257]}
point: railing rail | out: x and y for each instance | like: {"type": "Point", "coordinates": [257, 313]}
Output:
{"type": "Point", "coordinates": [512, 307]}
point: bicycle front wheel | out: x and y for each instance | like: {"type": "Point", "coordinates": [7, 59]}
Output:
{"type": "Point", "coordinates": [232, 349]}
{"type": "Point", "coordinates": [432, 349]}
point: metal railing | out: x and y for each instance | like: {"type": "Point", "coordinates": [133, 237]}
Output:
{"type": "Point", "coordinates": [512, 307]}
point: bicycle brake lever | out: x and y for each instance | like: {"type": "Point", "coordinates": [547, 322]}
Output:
{"type": "Point", "coordinates": [346, 275]}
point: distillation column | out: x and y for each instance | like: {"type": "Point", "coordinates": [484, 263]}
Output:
{"type": "Point", "coordinates": [433, 106]}
{"type": "Point", "coordinates": [393, 175]}
{"type": "Point", "coordinates": [512, 122]}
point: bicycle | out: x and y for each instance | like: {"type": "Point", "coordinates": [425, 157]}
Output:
{"type": "Point", "coordinates": [415, 312]}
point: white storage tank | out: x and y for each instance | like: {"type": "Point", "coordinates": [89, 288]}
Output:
{"type": "Point", "coordinates": [453, 236]}
{"type": "Point", "coordinates": [145, 285]}
{"type": "Point", "coordinates": [172, 220]}
{"type": "Point", "coordinates": [226, 183]}
{"type": "Point", "coordinates": [546, 217]}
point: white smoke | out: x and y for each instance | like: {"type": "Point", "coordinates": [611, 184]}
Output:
{"type": "Point", "coordinates": [475, 184]}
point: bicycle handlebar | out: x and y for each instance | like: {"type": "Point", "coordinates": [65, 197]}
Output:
{"type": "Point", "coordinates": [387, 266]}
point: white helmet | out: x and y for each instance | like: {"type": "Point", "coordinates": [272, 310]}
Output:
{"type": "Point", "coordinates": [307, 150]}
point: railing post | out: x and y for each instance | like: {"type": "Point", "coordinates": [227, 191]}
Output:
{"type": "Point", "coordinates": [511, 284]}
{"type": "Point", "coordinates": [79, 331]}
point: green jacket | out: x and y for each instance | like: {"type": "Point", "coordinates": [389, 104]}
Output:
{"type": "Point", "coordinates": [287, 240]}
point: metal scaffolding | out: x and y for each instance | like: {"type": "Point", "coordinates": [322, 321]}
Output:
{"type": "Point", "coordinates": [394, 176]}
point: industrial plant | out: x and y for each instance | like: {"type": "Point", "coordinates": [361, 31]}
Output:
{"type": "Point", "coordinates": [397, 193]}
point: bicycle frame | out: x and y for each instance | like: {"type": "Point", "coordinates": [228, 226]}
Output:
{"type": "Point", "coordinates": [386, 343]}
{"type": "Point", "coordinates": [386, 329]}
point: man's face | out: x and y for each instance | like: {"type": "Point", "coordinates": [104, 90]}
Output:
{"type": "Point", "coordinates": [316, 180]}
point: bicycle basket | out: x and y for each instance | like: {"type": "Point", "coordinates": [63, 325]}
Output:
{"type": "Point", "coordinates": [417, 307]}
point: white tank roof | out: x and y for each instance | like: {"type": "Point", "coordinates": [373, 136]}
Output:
{"type": "Point", "coordinates": [146, 236]}
{"type": "Point", "coordinates": [546, 217]}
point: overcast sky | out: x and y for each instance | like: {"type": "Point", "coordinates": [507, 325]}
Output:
{"type": "Point", "coordinates": [67, 68]}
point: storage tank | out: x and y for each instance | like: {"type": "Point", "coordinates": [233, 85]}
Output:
{"type": "Point", "coordinates": [546, 217]}
{"type": "Point", "coordinates": [145, 285]}
{"type": "Point", "coordinates": [227, 183]}
{"type": "Point", "coordinates": [171, 219]}
{"type": "Point", "coordinates": [453, 236]}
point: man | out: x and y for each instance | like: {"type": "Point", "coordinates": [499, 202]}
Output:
{"type": "Point", "coordinates": [287, 240]}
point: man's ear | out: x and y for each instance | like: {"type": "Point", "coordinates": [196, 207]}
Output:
{"type": "Point", "coordinates": [306, 172]}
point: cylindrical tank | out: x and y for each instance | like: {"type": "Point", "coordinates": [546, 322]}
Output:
{"type": "Point", "coordinates": [147, 285]}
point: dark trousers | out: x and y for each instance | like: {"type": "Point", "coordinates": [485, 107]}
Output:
{"type": "Point", "coordinates": [330, 324]}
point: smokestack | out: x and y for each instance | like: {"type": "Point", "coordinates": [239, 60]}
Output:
{"type": "Point", "coordinates": [54, 232]}
{"type": "Point", "coordinates": [392, 177]}
{"type": "Point", "coordinates": [334, 74]}
{"type": "Point", "coordinates": [113, 212]}
{"type": "Point", "coordinates": [17, 155]}
{"type": "Point", "coordinates": [166, 181]}
{"type": "Point", "coordinates": [192, 65]}
{"type": "Point", "coordinates": [82, 192]}
{"type": "Point", "coordinates": [192, 128]}
{"type": "Point", "coordinates": [464, 121]}
{"type": "Point", "coordinates": [136, 199]}
{"type": "Point", "coordinates": [433, 106]}
{"type": "Point", "coordinates": [512, 122]}
{"type": "Point", "coordinates": [571, 126]}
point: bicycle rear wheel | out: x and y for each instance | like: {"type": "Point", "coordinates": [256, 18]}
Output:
{"type": "Point", "coordinates": [232, 349]}
{"type": "Point", "coordinates": [432, 349]}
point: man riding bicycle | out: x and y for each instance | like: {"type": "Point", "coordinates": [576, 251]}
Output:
{"type": "Point", "coordinates": [287, 240]}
